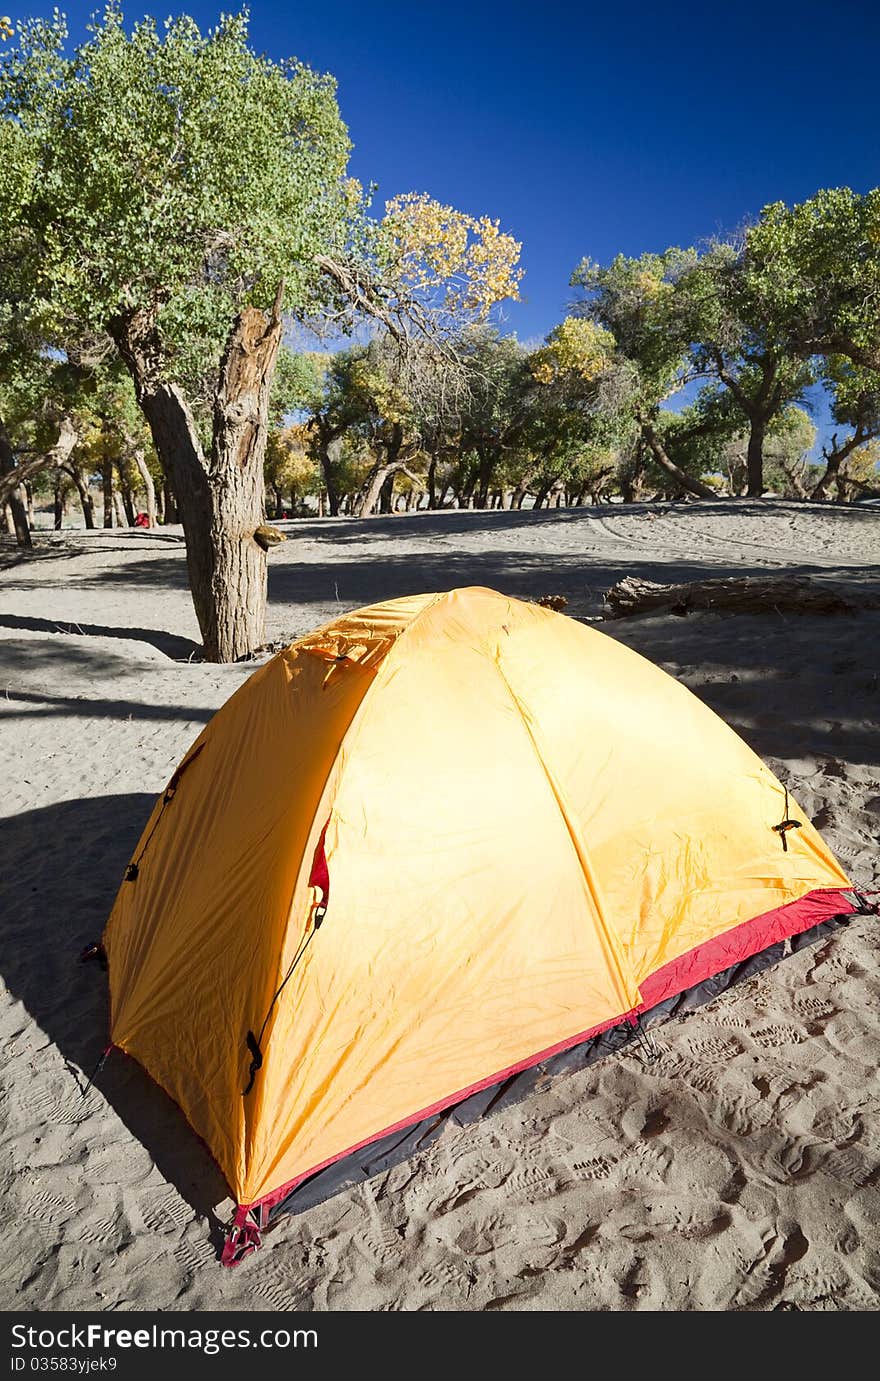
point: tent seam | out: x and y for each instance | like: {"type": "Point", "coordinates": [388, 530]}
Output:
{"type": "Point", "coordinates": [612, 942]}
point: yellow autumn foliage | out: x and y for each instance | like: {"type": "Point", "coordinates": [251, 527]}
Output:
{"type": "Point", "coordinates": [385, 396]}
{"type": "Point", "coordinates": [576, 346]}
{"type": "Point", "coordinates": [435, 248]}
{"type": "Point", "coordinates": [289, 464]}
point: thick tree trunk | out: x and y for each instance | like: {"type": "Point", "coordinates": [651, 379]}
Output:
{"type": "Point", "coordinates": [54, 458]}
{"type": "Point", "coordinates": [834, 463]}
{"type": "Point", "coordinates": [523, 487]}
{"type": "Point", "coordinates": [124, 491]}
{"type": "Point", "coordinates": [386, 494]}
{"type": "Point", "coordinates": [326, 465]}
{"type": "Point", "coordinates": [20, 520]}
{"type": "Point", "coordinates": [29, 503]}
{"type": "Point", "coordinates": [541, 494]}
{"type": "Point", "coordinates": [369, 497]}
{"type": "Point", "coordinates": [484, 478]}
{"type": "Point", "coordinates": [380, 481]}
{"type": "Point", "coordinates": [170, 513]}
{"type": "Point", "coordinates": [432, 483]}
{"type": "Point", "coordinates": [13, 493]}
{"type": "Point", "coordinates": [6, 520]}
{"type": "Point", "coordinates": [119, 510]}
{"type": "Point", "coordinates": [329, 443]}
{"type": "Point", "coordinates": [832, 467]}
{"type": "Point", "coordinates": [87, 503]}
{"type": "Point", "coordinates": [58, 504]}
{"type": "Point", "coordinates": [660, 454]}
{"type": "Point", "coordinates": [147, 481]}
{"type": "Point", "coordinates": [221, 497]}
{"type": "Point", "coordinates": [755, 460]}
{"type": "Point", "coordinates": [107, 488]}
{"type": "Point", "coordinates": [795, 480]}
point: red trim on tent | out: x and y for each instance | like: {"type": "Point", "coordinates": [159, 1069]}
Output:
{"type": "Point", "coordinates": [689, 969]}
{"type": "Point", "coordinates": [276, 1195]}
{"type": "Point", "coordinates": [733, 946]}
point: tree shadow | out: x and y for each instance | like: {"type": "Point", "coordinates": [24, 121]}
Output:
{"type": "Point", "coordinates": [61, 867]}
{"type": "Point", "coordinates": [171, 644]}
{"type": "Point", "coordinates": [584, 579]}
{"type": "Point", "coordinates": [45, 704]}
{"type": "Point", "coordinates": [793, 686]}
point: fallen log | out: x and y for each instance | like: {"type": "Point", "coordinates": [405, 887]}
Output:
{"type": "Point", "coordinates": [736, 594]}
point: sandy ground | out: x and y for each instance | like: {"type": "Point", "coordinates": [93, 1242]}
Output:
{"type": "Point", "coordinates": [740, 1171]}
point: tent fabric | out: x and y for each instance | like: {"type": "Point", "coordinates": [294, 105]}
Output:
{"type": "Point", "coordinates": [383, 1153]}
{"type": "Point", "coordinates": [418, 848]}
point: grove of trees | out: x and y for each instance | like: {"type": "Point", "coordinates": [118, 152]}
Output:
{"type": "Point", "coordinates": [170, 202]}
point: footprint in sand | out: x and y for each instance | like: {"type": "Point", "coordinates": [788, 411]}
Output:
{"type": "Point", "coordinates": [797, 1160]}
{"type": "Point", "coordinates": [164, 1209]}
{"type": "Point", "coordinates": [534, 1179]}
{"type": "Point", "coordinates": [104, 1232]}
{"type": "Point", "coordinates": [599, 1168]}
{"type": "Point", "coordinates": [770, 1037]}
{"type": "Point", "coordinates": [47, 1107]}
{"type": "Point", "coordinates": [851, 1167]}
{"type": "Point", "coordinates": [714, 1048]}
{"type": "Point", "coordinates": [848, 1241]}
{"type": "Point", "coordinates": [814, 1008]}
{"type": "Point", "coordinates": [700, 1232]}
{"type": "Point", "coordinates": [443, 1276]}
{"type": "Point", "coordinates": [481, 1237]}
{"type": "Point", "coordinates": [382, 1244]}
{"type": "Point", "coordinates": [766, 1277]}
{"type": "Point", "coordinates": [127, 1166]}
{"type": "Point", "coordinates": [286, 1297]}
{"type": "Point", "coordinates": [49, 1211]}
{"type": "Point", "coordinates": [195, 1255]}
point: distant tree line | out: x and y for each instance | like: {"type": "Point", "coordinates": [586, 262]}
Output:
{"type": "Point", "coordinates": [170, 202]}
{"type": "Point", "coordinates": [755, 325]}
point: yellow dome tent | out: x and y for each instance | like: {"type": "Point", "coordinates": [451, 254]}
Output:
{"type": "Point", "coordinates": [440, 841]}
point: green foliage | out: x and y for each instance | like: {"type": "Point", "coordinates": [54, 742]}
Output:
{"type": "Point", "coordinates": [816, 269]}
{"type": "Point", "coordinates": [735, 337]}
{"type": "Point", "coordinates": [297, 385]}
{"type": "Point", "coordinates": [855, 395]}
{"type": "Point", "coordinates": [170, 170]}
{"type": "Point", "coordinates": [635, 301]}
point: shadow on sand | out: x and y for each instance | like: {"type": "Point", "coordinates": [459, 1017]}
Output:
{"type": "Point", "coordinates": [171, 644]}
{"type": "Point", "coordinates": [61, 867]}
